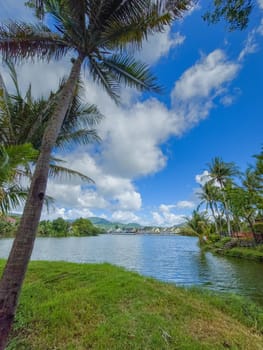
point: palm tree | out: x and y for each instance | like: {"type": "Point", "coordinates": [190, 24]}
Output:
{"type": "Point", "coordinates": [24, 119]}
{"type": "Point", "coordinates": [210, 196]}
{"type": "Point", "coordinates": [221, 173]}
{"type": "Point", "coordinates": [12, 159]}
{"type": "Point", "coordinates": [197, 224]}
{"type": "Point", "coordinates": [98, 35]}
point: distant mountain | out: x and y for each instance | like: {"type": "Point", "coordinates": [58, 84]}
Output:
{"type": "Point", "coordinates": [99, 221]}
{"type": "Point", "coordinates": [106, 224]}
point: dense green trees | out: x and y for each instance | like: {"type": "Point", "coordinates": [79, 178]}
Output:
{"type": "Point", "coordinates": [63, 228]}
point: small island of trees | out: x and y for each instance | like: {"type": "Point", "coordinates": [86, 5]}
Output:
{"type": "Point", "coordinates": [56, 228]}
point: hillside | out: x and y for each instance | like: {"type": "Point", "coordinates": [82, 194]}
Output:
{"type": "Point", "coordinates": [107, 225]}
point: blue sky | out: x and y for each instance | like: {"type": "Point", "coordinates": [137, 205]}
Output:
{"type": "Point", "coordinates": [154, 147]}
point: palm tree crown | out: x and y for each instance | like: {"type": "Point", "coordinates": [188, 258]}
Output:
{"type": "Point", "coordinates": [101, 33]}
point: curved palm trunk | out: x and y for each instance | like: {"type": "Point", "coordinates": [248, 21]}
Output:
{"type": "Point", "coordinates": [16, 266]}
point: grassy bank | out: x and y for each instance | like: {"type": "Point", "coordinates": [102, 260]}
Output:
{"type": "Point", "coordinates": [236, 249]}
{"type": "Point", "coordinates": [72, 307]}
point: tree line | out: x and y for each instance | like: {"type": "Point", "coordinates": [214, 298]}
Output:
{"type": "Point", "coordinates": [52, 228]}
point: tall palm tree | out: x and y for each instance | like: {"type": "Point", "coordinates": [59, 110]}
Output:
{"type": "Point", "coordinates": [221, 173]}
{"type": "Point", "coordinates": [209, 196]}
{"type": "Point", "coordinates": [98, 35]}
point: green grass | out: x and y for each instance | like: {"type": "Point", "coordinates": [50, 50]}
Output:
{"type": "Point", "coordinates": [246, 253]}
{"type": "Point", "coordinates": [252, 253]}
{"type": "Point", "coordinates": [79, 307]}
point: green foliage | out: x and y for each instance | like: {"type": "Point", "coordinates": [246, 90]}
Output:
{"type": "Point", "coordinates": [13, 162]}
{"type": "Point", "coordinates": [214, 238]}
{"type": "Point", "coordinates": [84, 227]}
{"type": "Point", "coordinates": [258, 227]}
{"type": "Point", "coordinates": [235, 12]}
{"type": "Point", "coordinates": [62, 228]}
{"type": "Point", "coordinates": [85, 306]}
{"type": "Point", "coordinates": [7, 228]}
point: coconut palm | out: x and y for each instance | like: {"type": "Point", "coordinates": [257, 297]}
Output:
{"type": "Point", "coordinates": [209, 196]}
{"type": "Point", "coordinates": [97, 35]}
{"type": "Point", "coordinates": [197, 224]}
{"type": "Point", "coordinates": [24, 119]}
{"type": "Point", "coordinates": [221, 173]}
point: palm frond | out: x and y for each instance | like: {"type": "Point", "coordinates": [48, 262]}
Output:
{"type": "Point", "coordinates": [132, 73]}
{"type": "Point", "coordinates": [19, 40]}
{"type": "Point", "coordinates": [60, 171]}
{"type": "Point", "coordinates": [11, 196]}
{"type": "Point", "coordinates": [79, 137]}
{"type": "Point", "coordinates": [102, 75]}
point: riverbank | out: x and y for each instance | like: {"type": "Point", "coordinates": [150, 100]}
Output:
{"type": "Point", "coordinates": [82, 306]}
{"type": "Point", "coordinates": [236, 248]}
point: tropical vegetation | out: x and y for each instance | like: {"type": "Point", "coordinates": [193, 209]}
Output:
{"type": "Point", "coordinates": [22, 121]}
{"type": "Point", "coordinates": [233, 208]}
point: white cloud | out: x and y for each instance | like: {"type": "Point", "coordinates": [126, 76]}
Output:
{"type": "Point", "coordinates": [164, 217]}
{"type": "Point", "coordinates": [169, 214]}
{"type": "Point", "coordinates": [124, 216]}
{"type": "Point", "coordinates": [203, 178]}
{"type": "Point", "coordinates": [132, 134]}
{"type": "Point", "coordinates": [159, 45]}
{"type": "Point", "coordinates": [260, 4]}
{"type": "Point", "coordinates": [250, 45]}
{"type": "Point", "coordinates": [185, 204]}
{"type": "Point", "coordinates": [206, 77]}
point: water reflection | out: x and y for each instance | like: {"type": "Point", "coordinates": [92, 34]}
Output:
{"type": "Point", "coordinates": [174, 259]}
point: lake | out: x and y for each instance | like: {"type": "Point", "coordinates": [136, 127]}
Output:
{"type": "Point", "coordinates": [170, 258]}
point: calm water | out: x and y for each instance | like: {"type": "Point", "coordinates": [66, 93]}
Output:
{"type": "Point", "coordinates": [175, 259]}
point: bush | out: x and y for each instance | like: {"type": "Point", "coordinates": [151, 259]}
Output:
{"type": "Point", "coordinates": [214, 238]}
{"type": "Point", "coordinates": [258, 227]}
{"type": "Point", "coordinates": [84, 227]}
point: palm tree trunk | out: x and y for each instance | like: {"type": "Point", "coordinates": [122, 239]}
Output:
{"type": "Point", "coordinates": [226, 210]}
{"type": "Point", "coordinates": [16, 266]}
{"type": "Point", "coordinates": [214, 216]}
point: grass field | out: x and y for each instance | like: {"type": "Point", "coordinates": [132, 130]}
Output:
{"type": "Point", "coordinates": [67, 306]}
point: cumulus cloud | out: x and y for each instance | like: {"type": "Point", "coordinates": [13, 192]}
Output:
{"type": "Point", "coordinates": [124, 216]}
{"type": "Point", "coordinates": [185, 204]}
{"type": "Point", "coordinates": [203, 178]}
{"type": "Point", "coordinates": [165, 216]}
{"type": "Point", "coordinates": [111, 192]}
{"type": "Point", "coordinates": [132, 135]}
{"type": "Point", "coordinates": [206, 77]}
{"type": "Point", "coordinates": [159, 45]}
{"type": "Point", "coordinates": [195, 92]}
